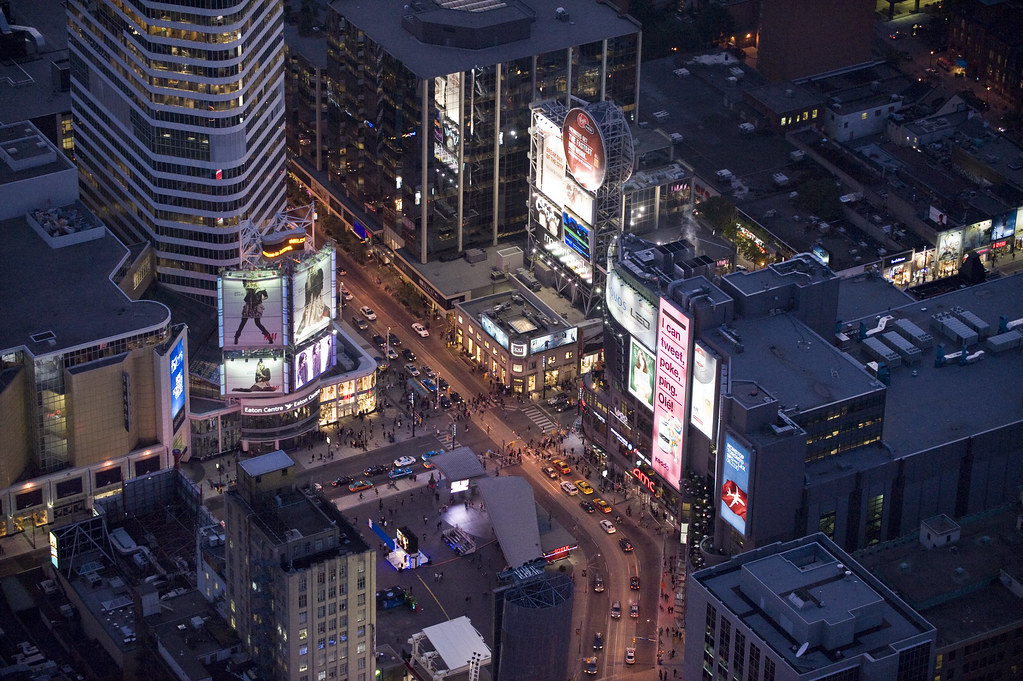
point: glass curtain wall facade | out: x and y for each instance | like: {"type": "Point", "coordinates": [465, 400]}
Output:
{"type": "Point", "coordinates": [179, 117]}
{"type": "Point", "coordinates": [389, 119]}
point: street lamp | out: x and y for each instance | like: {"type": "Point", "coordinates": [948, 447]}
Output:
{"type": "Point", "coordinates": [546, 347]}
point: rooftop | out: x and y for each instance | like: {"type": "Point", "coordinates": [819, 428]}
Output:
{"type": "Point", "coordinates": [266, 463]}
{"type": "Point", "coordinates": [36, 93]}
{"type": "Point", "coordinates": [25, 153]}
{"type": "Point", "coordinates": [812, 604]}
{"type": "Point", "coordinates": [66, 278]}
{"type": "Point", "coordinates": [382, 22]}
{"type": "Point", "coordinates": [516, 316]}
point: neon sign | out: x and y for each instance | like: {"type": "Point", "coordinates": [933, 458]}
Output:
{"type": "Point", "coordinates": [644, 480]}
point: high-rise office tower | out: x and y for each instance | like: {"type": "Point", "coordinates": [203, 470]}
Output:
{"type": "Point", "coordinates": [179, 116]}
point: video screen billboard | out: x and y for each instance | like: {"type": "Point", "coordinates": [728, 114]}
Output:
{"type": "Point", "coordinates": [313, 360]}
{"type": "Point", "coordinates": [258, 375]}
{"type": "Point", "coordinates": [314, 302]}
{"type": "Point", "coordinates": [735, 488]}
{"type": "Point", "coordinates": [584, 149]}
{"type": "Point", "coordinates": [251, 308]}
{"type": "Point", "coordinates": [495, 331]}
{"type": "Point", "coordinates": [637, 314]}
{"type": "Point", "coordinates": [553, 340]}
{"type": "Point", "coordinates": [577, 235]}
{"type": "Point", "coordinates": [177, 378]}
{"type": "Point", "coordinates": [641, 374]}
{"type": "Point", "coordinates": [670, 416]}
{"type": "Point", "coordinates": [705, 381]}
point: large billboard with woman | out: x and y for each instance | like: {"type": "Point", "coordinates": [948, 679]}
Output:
{"type": "Point", "coordinates": [251, 308]}
{"type": "Point", "coordinates": [314, 302]}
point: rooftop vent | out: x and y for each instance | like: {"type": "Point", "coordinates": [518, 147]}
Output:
{"type": "Point", "coordinates": [43, 337]}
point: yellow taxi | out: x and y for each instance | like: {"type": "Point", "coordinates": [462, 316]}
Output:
{"type": "Point", "coordinates": [584, 486]}
{"type": "Point", "coordinates": [602, 505]}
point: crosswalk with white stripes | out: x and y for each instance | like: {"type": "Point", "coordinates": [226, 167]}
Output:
{"type": "Point", "coordinates": [540, 418]}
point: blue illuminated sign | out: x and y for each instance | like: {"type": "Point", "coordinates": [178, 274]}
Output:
{"type": "Point", "coordinates": [177, 378]}
{"type": "Point", "coordinates": [577, 236]}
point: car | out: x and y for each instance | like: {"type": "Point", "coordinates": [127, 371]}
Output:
{"type": "Point", "coordinates": [607, 526]}
{"type": "Point", "coordinates": [584, 486]}
{"type": "Point", "coordinates": [630, 655]}
{"type": "Point", "coordinates": [588, 507]}
{"type": "Point", "coordinates": [393, 340]}
{"type": "Point", "coordinates": [549, 472]}
{"type": "Point", "coordinates": [368, 313]}
{"type": "Point", "coordinates": [598, 641]}
{"type": "Point", "coordinates": [408, 355]}
{"type": "Point", "coordinates": [392, 353]}
{"type": "Point", "coordinates": [634, 610]}
{"type": "Point", "coordinates": [560, 397]}
{"type": "Point", "coordinates": [397, 473]}
{"type": "Point", "coordinates": [569, 489]}
{"type": "Point", "coordinates": [342, 271]}
{"type": "Point", "coordinates": [602, 505]}
{"type": "Point", "coordinates": [360, 323]}
{"type": "Point", "coordinates": [442, 384]}
{"type": "Point", "coordinates": [616, 610]}
{"type": "Point", "coordinates": [598, 583]}
{"type": "Point", "coordinates": [421, 330]}
{"type": "Point", "coordinates": [428, 372]}
{"type": "Point", "coordinates": [346, 295]}
{"type": "Point", "coordinates": [561, 466]}
{"type": "Point", "coordinates": [427, 456]}
{"type": "Point", "coordinates": [590, 665]}
{"type": "Point", "coordinates": [379, 469]}
{"type": "Point", "coordinates": [379, 340]}
{"type": "Point", "coordinates": [359, 485]}
{"type": "Point", "coordinates": [634, 582]}
{"type": "Point", "coordinates": [625, 544]}
{"type": "Point", "coordinates": [429, 385]}
{"type": "Point", "coordinates": [897, 35]}
{"type": "Point", "coordinates": [456, 397]}
{"type": "Point", "coordinates": [403, 461]}
{"type": "Point", "coordinates": [342, 480]}
{"type": "Point", "coordinates": [445, 402]}
{"type": "Point", "coordinates": [412, 369]}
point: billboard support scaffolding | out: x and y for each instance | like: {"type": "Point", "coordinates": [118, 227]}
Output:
{"type": "Point", "coordinates": [251, 239]}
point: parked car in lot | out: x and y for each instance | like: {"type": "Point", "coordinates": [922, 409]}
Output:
{"type": "Point", "coordinates": [403, 461]}
{"type": "Point", "coordinates": [616, 610]}
{"type": "Point", "coordinates": [421, 330]}
{"type": "Point", "coordinates": [379, 469]}
{"type": "Point", "coordinates": [398, 473]}
{"type": "Point", "coordinates": [359, 485]}
{"type": "Point", "coordinates": [625, 544]}
{"type": "Point", "coordinates": [549, 472]}
{"type": "Point", "coordinates": [368, 313]}
{"type": "Point", "coordinates": [607, 526]}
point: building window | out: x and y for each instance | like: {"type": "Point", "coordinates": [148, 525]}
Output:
{"type": "Point", "coordinates": [826, 524]}
{"type": "Point", "coordinates": [875, 511]}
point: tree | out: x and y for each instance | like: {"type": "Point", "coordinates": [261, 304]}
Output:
{"type": "Point", "coordinates": [718, 212]}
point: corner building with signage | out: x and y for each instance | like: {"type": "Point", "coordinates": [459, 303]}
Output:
{"type": "Point", "coordinates": [432, 101]}
{"type": "Point", "coordinates": [788, 401]}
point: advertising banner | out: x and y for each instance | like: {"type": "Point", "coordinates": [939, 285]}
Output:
{"type": "Point", "coordinates": [314, 302]}
{"type": "Point", "coordinates": [641, 374]}
{"type": "Point", "coordinates": [1004, 225]}
{"type": "Point", "coordinates": [258, 375]}
{"type": "Point", "coordinates": [977, 235]}
{"type": "Point", "coordinates": [672, 377]}
{"type": "Point", "coordinates": [313, 360]}
{"type": "Point", "coordinates": [553, 180]}
{"type": "Point", "coordinates": [950, 245]}
{"type": "Point", "coordinates": [705, 381]}
{"type": "Point", "coordinates": [577, 234]}
{"type": "Point", "coordinates": [735, 488]}
{"type": "Point", "coordinates": [251, 307]}
{"type": "Point", "coordinates": [553, 340]}
{"type": "Point", "coordinates": [177, 378]}
{"type": "Point", "coordinates": [630, 309]}
{"type": "Point", "coordinates": [584, 149]}
{"type": "Point", "coordinates": [495, 331]}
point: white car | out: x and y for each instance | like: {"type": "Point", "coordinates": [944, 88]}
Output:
{"type": "Point", "coordinates": [630, 655]}
{"type": "Point", "coordinates": [607, 526]}
{"type": "Point", "coordinates": [368, 313]}
{"type": "Point", "coordinates": [412, 369]}
{"type": "Point", "coordinates": [569, 489]}
{"type": "Point", "coordinates": [392, 353]}
{"type": "Point", "coordinates": [421, 330]}
{"type": "Point", "coordinates": [404, 461]}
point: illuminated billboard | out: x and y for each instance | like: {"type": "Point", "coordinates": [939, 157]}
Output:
{"type": "Point", "coordinates": [577, 234]}
{"type": "Point", "coordinates": [641, 374]}
{"type": "Point", "coordinates": [495, 331]}
{"type": "Point", "coordinates": [177, 378]}
{"type": "Point", "coordinates": [1004, 225]}
{"type": "Point", "coordinates": [735, 488]}
{"type": "Point", "coordinates": [552, 340]}
{"type": "Point", "coordinates": [251, 308]}
{"type": "Point", "coordinates": [258, 375]}
{"type": "Point", "coordinates": [584, 149]}
{"type": "Point", "coordinates": [314, 302]}
{"type": "Point", "coordinates": [977, 235]}
{"type": "Point", "coordinates": [553, 180]}
{"type": "Point", "coordinates": [705, 380]}
{"type": "Point", "coordinates": [670, 416]}
{"type": "Point", "coordinates": [630, 309]}
{"type": "Point", "coordinates": [950, 245]}
{"type": "Point", "coordinates": [313, 360]}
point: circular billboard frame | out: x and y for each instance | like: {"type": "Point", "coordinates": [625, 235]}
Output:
{"type": "Point", "coordinates": [585, 150]}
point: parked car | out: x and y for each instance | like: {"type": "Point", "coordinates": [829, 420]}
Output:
{"type": "Point", "coordinates": [616, 610]}
{"type": "Point", "coordinates": [428, 371]}
{"type": "Point", "coordinates": [379, 469]}
{"type": "Point", "coordinates": [403, 461]}
{"type": "Point", "coordinates": [569, 489]}
{"type": "Point", "coordinates": [625, 544]}
{"type": "Point", "coordinates": [421, 330]}
{"type": "Point", "coordinates": [607, 526]}
{"type": "Point", "coordinates": [359, 485]}
{"type": "Point", "coordinates": [368, 313]}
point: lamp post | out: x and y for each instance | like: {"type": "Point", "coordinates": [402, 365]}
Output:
{"type": "Point", "coordinates": [546, 347]}
{"type": "Point", "coordinates": [387, 345]}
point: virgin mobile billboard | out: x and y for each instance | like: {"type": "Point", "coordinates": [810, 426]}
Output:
{"type": "Point", "coordinates": [672, 377]}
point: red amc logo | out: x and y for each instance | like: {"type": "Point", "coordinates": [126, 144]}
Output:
{"type": "Point", "coordinates": [644, 480]}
